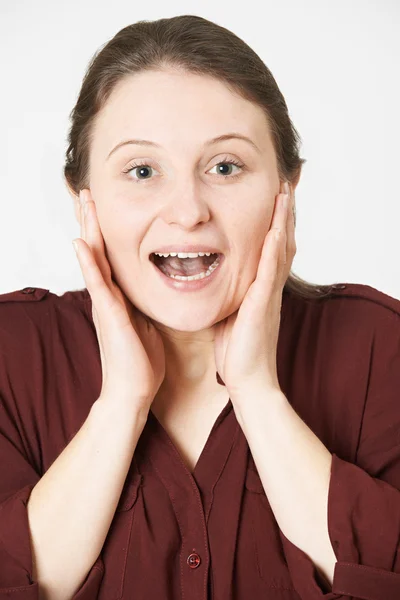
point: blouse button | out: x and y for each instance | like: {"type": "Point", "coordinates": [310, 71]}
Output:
{"type": "Point", "coordinates": [28, 290]}
{"type": "Point", "coordinates": [193, 560]}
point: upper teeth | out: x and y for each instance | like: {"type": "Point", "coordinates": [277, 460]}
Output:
{"type": "Point", "coordinates": [185, 254]}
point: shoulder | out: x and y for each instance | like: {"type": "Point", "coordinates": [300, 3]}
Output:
{"type": "Point", "coordinates": [349, 304]}
{"type": "Point", "coordinates": [345, 330]}
{"type": "Point", "coordinates": [37, 294]}
{"type": "Point", "coordinates": [339, 351]}
{"type": "Point", "coordinates": [27, 294]}
{"type": "Point", "coordinates": [22, 313]}
{"type": "Point", "coordinates": [365, 310]}
{"type": "Point", "coordinates": [49, 367]}
{"type": "Point", "coordinates": [366, 297]}
{"type": "Point", "coordinates": [43, 297]}
{"type": "Point", "coordinates": [31, 312]}
{"type": "Point", "coordinates": [39, 332]}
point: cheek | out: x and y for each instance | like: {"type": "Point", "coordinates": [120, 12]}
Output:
{"type": "Point", "coordinates": [253, 231]}
{"type": "Point", "coordinates": [247, 263]}
{"type": "Point", "coordinates": [248, 253]}
{"type": "Point", "coordinates": [110, 226]}
{"type": "Point", "coordinates": [119, 225]}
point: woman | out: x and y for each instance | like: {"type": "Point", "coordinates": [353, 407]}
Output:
{"type": "Point", "coordinates": [230, 435]}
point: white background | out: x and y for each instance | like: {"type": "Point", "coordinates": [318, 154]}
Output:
{"type": "Point", "coordinates": [336, 63]}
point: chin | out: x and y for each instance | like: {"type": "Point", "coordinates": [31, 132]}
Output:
{"type": "Point", "coordinates": [185, 323]}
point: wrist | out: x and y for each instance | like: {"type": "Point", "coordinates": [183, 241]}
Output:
{"type": "Point", "coordinates": [133, 413]}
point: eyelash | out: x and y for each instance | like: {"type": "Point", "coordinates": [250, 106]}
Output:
{"type": "Point", "coordinates": [226, 160]}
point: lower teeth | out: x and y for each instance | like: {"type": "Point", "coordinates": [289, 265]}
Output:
{"type": "Point", "coordinates": [202, 275]}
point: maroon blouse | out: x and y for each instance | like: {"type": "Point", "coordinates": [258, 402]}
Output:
{"type": "Point", "coordinates": [212, 534]}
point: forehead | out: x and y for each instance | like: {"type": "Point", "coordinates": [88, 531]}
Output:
{"type": "Point", "coordinates": [169, 106]}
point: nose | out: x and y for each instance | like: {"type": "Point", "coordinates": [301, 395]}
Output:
{"type": "Point", "coordinates": [187, 205]}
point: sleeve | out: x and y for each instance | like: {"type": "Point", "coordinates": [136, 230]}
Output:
{"type": "Point", "coordinates": [364, 497]}
{"type": "Point", "coordinates": [18, 473]}
{"type": "Point", "coordinates": [17, 480]}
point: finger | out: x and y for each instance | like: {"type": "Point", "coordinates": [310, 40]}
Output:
{"type": "Point", "coordinates": [95, 241]}
{"type": "Point", "coordinates": [100, 294]}
{"type": "Point", "coordinates": [279, 226]}
{"type": "Point", "coordinates": [279, 216]}
{"type": "Point", "coordinates": [286, 204]}
{"type": "Point", "coordinates": [94, 237]}
{"type": "Point", "coordinates": [82, 221]}
{"type": "Point", "coordinates": [269, 265]}
{"type": "Point", "coordinates": [110, 311]}
{"type": "Point", "coordinates": [291, 240]}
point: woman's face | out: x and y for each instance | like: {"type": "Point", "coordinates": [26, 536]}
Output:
{"type": "Point", "coordinates": [182, 197]}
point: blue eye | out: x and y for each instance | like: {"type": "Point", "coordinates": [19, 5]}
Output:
{"type": "Point", "coordinates": [144, 168]}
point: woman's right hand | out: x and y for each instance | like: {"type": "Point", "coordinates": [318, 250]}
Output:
{"type": "Point", "coordinates": [131, 348]}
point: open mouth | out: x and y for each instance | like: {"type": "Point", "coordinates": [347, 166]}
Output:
{"type": "Point", "coordinates": [186, 268]}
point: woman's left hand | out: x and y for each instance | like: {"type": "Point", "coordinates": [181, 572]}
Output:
{"type": "Point", "coordinates": [246, 342]}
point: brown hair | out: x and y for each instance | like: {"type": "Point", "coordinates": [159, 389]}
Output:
{"type": "Point", "coordinates": [202, 47]}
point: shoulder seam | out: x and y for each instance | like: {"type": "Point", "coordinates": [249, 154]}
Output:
{"type": "Point", "coordinates": [27, 294]}
{"type": "Point", "coordinates": [365, 292]}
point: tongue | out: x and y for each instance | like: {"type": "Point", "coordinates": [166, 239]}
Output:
{"type": "Point", "coordinates": [172, 265]}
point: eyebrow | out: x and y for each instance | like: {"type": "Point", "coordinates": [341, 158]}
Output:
{"type": "Point", "coordinates": [215, 140]}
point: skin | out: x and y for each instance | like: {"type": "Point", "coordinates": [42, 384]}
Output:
{"type": "Point", "coordinates": [182, 199]}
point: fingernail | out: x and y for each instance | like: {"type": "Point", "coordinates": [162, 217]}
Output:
{"type": "Point", "coordinates": [75, 245]}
